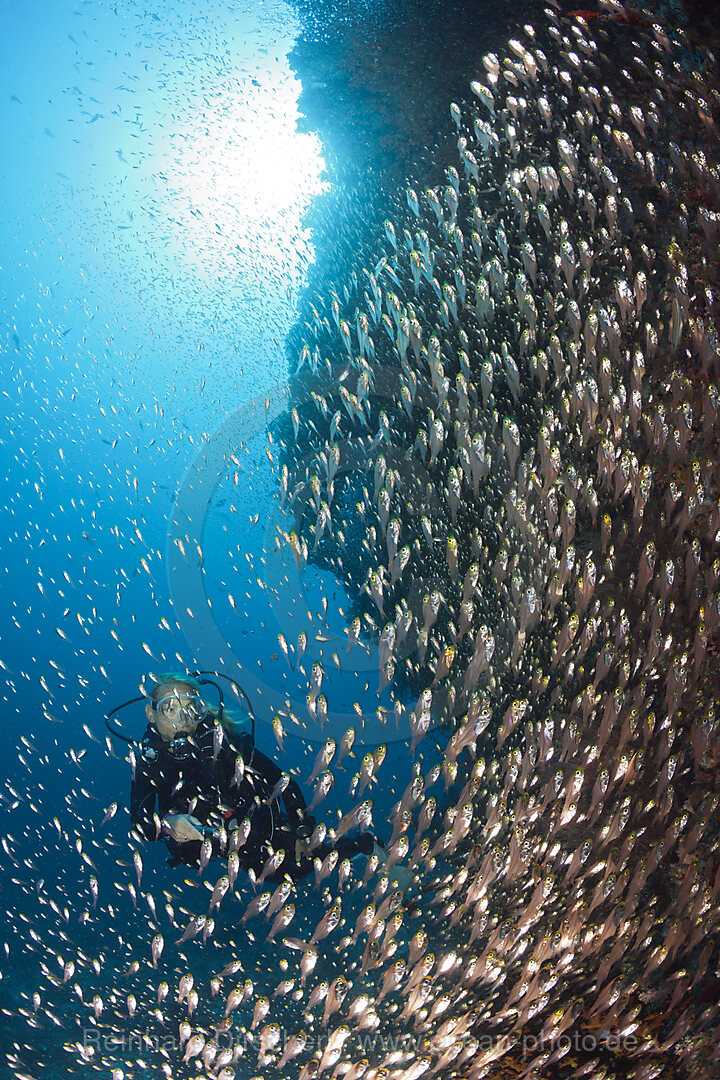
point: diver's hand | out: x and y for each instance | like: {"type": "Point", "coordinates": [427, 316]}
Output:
{"type": "Point", "coordinates": [302, 842]}
{"type": "Point", "coordinates": [183, 827]}
{"type": "Point", "coordinates": [301, 847]}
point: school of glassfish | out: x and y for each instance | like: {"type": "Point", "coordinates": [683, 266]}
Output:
{"type": "Point", "coordinates": [545, 464]}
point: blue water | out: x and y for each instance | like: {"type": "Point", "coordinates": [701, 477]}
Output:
{"type": "Point", "coordinates": [152, 253]}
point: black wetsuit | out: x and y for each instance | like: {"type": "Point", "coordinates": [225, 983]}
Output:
{"type": "Point", "coordinates": [167, 783]}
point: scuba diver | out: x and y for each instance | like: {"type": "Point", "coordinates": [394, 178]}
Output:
{"type": "Point", "coordinates": [200, 783]}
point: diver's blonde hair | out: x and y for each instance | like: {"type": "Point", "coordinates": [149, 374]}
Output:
{"type": "Point", "coordinates": [235, 721]}
{"type": "Point", "coordinates": [155, 684]}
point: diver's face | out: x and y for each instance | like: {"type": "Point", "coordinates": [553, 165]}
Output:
{"type": "Point", "coordinates": [178, 711]}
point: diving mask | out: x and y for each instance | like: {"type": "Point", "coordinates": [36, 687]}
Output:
{"type": "Point", "coordinates": [183, 711]}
